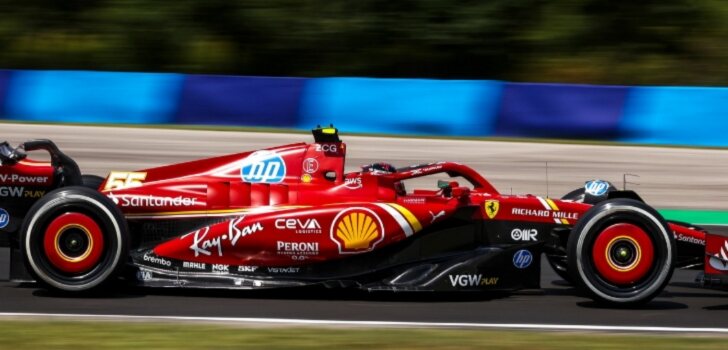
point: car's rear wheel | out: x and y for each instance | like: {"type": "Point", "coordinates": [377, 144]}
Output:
{"type": "Point", "coordinates": [621, 252]}
{"type": "Point", "coordinates": [74, 239]}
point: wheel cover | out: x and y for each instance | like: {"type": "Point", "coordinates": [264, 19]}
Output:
{"type": "Point", "coordinates": [623, 254]}
{"type": "Point", "coordinates": [73, 243]}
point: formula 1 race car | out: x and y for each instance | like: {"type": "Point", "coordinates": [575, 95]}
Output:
{"type": "Point", "coordinates": [290, 216]}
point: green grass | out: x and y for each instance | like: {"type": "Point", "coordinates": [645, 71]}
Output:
{"type": "Point", "coordinates": [696, 217]}
{"type": "Point", "coordinates": [108, 335]}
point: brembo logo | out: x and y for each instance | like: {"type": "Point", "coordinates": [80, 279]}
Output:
{"type": "Point", "coordinates": [157, 260]}
{"type": "Point", "coordinates": [263, 167]}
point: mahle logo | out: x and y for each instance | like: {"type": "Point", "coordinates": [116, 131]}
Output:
{"type": "Point", "coordinates": [263, 167]}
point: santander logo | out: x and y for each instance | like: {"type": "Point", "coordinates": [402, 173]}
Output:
{"type": "Point", "coordinates": [719, 261]}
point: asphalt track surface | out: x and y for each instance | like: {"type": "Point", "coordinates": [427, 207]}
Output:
{"type": "Point", "coordinates": [691, 178]}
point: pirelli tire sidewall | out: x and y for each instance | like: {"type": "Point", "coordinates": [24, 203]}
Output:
{"type": "Point", "coordinates": [581, 242]}
{"type": "Point", "coordinates": [92, 204]}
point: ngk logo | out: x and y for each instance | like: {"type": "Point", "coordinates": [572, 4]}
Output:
{"type": "Point", "coordinates": [524, 234]}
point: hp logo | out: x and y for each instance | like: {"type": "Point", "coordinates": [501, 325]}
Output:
{"type": "Point", "coordinates": [263, 167]}
{"type": "Point", "coordinates": [4, 218]}
{"type": "Point", "coordinates": [522, 259]}
{"type": "Point", "coordinates": [596, 187]}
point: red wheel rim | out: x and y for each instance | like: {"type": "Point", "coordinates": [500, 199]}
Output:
{"type": "Point", "coordinates": [623, 254]}
{"type": "Point", "coordinates": [62, 232]}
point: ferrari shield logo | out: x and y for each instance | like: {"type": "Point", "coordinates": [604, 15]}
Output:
{"type": "Point", "coordinates": [491, 208]}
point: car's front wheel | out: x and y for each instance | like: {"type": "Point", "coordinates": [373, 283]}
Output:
{"type": "Point", "coordinates": [621, 252]}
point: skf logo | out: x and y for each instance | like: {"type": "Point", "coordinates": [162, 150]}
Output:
{"type": "Point", "coordinates": [491, 208]}
{"type": "Point", "coordinates": [472, 280]}
{"type": "Point", "coordinates": [357, 230]}
{"type": "Point", "coordinates": [263, 167]}
{"type": "Point", "coordinates": [524, 234]}
{"type": "Point", "coordinates": [120, 179]}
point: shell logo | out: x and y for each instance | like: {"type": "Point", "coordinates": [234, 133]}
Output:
{"type": "Point", "coordinates": [357, 230]}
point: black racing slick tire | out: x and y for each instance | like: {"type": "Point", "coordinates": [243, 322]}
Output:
{"type": "Point", "coordinates": [74, 239]}
{"type": "Point", "coordinates": [621, 253]}
{"type": "Point", "coordinates": [558, 260]}
{"type": "Point", "coordinates": [92, 181]}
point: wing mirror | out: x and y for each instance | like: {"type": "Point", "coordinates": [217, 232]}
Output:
{"type": "Point", "coordinates": [452, 188]}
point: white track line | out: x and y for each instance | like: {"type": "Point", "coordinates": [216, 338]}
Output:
{"type": "Point", "coordinates": [334, 323]}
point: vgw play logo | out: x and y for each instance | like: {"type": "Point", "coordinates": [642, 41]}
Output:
{"type": "Point", "coordinates": [4, 218]}
{"type": "Point", "coordinates": [263, 167]}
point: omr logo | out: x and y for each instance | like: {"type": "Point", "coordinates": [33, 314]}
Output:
{"type": "Point", "coordinates": [4, 218]}
{"type": "Point", "coordinates": [263, 167]}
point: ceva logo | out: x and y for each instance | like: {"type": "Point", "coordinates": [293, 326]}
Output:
{"type": "Point", "coordinates": [263, 167]}
{"type": "Point", "coordinates": [4, 218]}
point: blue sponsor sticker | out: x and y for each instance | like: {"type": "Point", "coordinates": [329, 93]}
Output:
{"type": "Point", "coordinates": [596, 187]}
{"type": "Point", "coordinates": [263, 167]}
{"type": "Point", "coordinates": [522, 259]}
{"type": "Point", "coordinates": [4, 218]}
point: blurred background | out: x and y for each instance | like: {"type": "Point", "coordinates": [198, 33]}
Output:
{"type": "Point", "coordinates": [666, 42]}
{"type": "Point", "coordinates": [628, 71]}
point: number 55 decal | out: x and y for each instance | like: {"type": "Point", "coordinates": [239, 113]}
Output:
{"type": "Point", "coordinates": [121, 179]}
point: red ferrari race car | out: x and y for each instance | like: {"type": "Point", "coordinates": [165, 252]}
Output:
{"type": "Point", "coordinates": [290, 216]}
